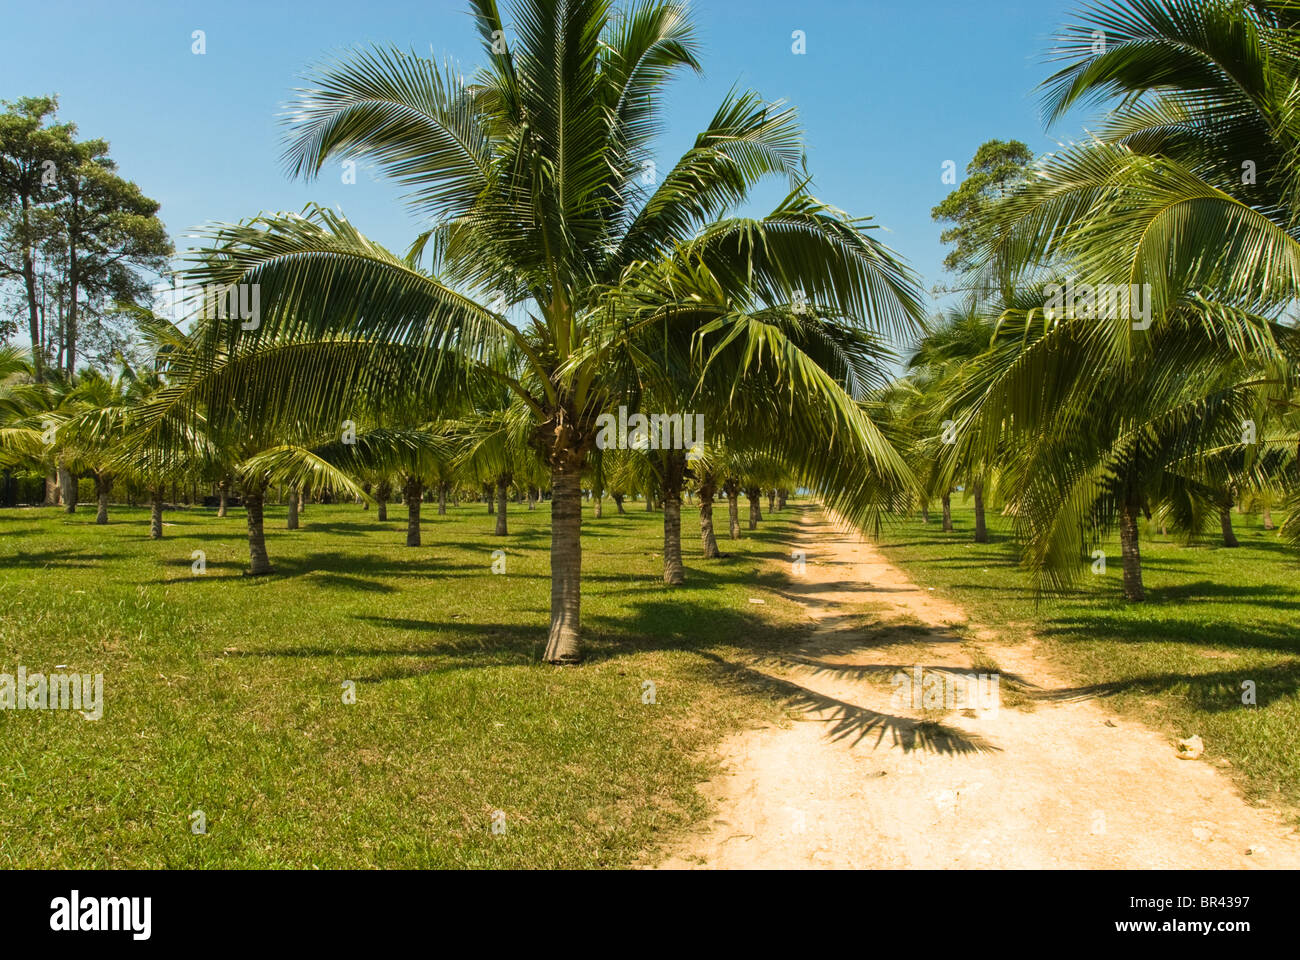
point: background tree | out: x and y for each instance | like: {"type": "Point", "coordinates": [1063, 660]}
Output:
{"type": "Point", "coordinates": [28, 139]}
{"type": "Point", "coordinates": [998, 168]}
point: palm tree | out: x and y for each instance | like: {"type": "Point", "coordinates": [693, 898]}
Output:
{"type": "Point", "coordinates": [534, 174]}
{"type": "Point", "coordinates": [1097, 415]}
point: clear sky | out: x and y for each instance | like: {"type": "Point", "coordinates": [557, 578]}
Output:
{"type": "Point", "coordinates": [888, 90]}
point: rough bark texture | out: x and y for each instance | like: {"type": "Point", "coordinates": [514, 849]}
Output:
{"type": "Point", "coordinates": [51, 489]}
{"type": "Point", "coordinates": [618, 502]}
{"type": "Point", "coordinates": [413, 491]}
{"type": "Point", "coordinates": [771, 501]}
{"type": "Point", "coordinates": [1130, 552]}
{"type": "Point", "coordinates": [598, 506]}
{"type": "Point", "coordinates": [674, 477]}
{"type": "Point", "coordinates": [155, 513]}
{"type": "Point", "coordinates": [68, 490]}
{"type": "Point", "coordinates": [384, 492]}
{"type": "Point", "coordinates": [755, 506]}
{"type": "Point", "coordinates": [102, 487]}
{"type": "Point", "coordinates": [981, 530]}
{"type": "Point", "coordinates": [708, 539]}
{"type": "Point", "coordinates": [258, 562]}
{"type": "Point", "coordinates": [503, 490]}
{"type": "Point", "coordinates": [925, 511]}
{"type": "Point", "coordinates": [562, 645]}
{"type": "Point", "coordinates": [1268, 518]}
{"type": "Point", "coordinates": [532, 497]}
{"type": "Point", "coordinates": [223, 495]}
{"type": "Point", "coordinates": [947, 513]}
{"type": "Point", "coordinates": [1225, 524]}
{"type": "Point", "coordinates": [732, 489]}
{"type": "Point", "coordinates": [294, 502]}
{"type": "Point", "coordinates": [781, 495]}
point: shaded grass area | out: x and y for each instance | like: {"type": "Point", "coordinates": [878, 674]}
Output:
{"type": "Point", "coordinates": [1214, 619]}
{"type": "Point", "coordinates": [225, 694]}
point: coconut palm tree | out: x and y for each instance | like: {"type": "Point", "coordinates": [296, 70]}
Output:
{"type": "Point", "coordinates": [550, 224]}
{"type": "Point", "coordinates": [1100, 411]}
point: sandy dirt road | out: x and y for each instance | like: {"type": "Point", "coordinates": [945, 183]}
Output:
{"type": "Point", "coordinates": [864, 778]}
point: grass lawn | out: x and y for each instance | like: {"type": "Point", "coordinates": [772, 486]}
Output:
{"type": "Point", "coordinates": [1213, 618]}
{"type": "Point", "coordinates": [225, 694]}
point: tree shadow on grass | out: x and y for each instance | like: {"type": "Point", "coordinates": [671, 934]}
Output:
{"type": "Point", "coordinates": [67, 558]}
{"type": "Point", "coordinates": [1093, 625]}
{"type": "Point", "coordinates": [1215, 692]}
{"type": "Point", "coordinates": [1206, 591]}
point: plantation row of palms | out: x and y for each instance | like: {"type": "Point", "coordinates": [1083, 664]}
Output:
{"type": "Point", "coordinates": [555, 285]}
{"type": "Point", "coordinates": [1082, 419]}
{"type": "Point", "coordinates": [84, 431]}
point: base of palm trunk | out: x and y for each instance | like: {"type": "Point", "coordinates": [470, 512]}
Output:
{"type": "Point", "coordinates": [1131, 554]}
{"type": "Point", "coordinates": [674, 571]}
{"type": "Point", "coordinates": [563, 643]}
{"type": "Point", "coordinates": [708, 539]}
{"type": "Point", "coordinates": [1225, 524]}
{"type": "Point", "coordinates": [259, 564]}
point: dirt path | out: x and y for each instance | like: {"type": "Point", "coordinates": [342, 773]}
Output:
{"type": "Point", "coordinates": [865, 779]}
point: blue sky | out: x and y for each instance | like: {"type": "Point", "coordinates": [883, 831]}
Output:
{"type": "Point", "coordinates": [887, 90]}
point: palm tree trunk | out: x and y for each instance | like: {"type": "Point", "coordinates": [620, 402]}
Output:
{"type": "Point", "coordinates": [51, 490]}
{"type": "Point", "coordinates": [925, 511]}
{"type": "Point", "coordinates": [981, 531]}
{"type": "Point", "coordinates": [487, 495]}
{"type": "Point", "coordinates": [649, 503]}
{"type": "Point", "coordinates": [1268, 517]}
{"type": "Point", "coordinates": [674, 477]}
{"type": "Point", "coordinates": [102, 485]}
{"type": "Point", "coordinates": [781, 495]}
{"type": "Point", "coordinates": [1225, 524]}
{"type": "Point", "coordinates": [293, 509]}
{"type": "Point", "coordinates": [1131, 552]}
{"type": "Point", "coordinates": [155, 516]}
{"type": "Point", "coordinates": [258, 562]}
{"type": "Point", "coordinates": [68, 489]}
{"type": "Point", "coordinates": [755, 508]}
{"type": "Point", "coordinates": [532, 497]}
{"type": "Point", "coordinates": [563, 642]}
{"type": "Point", "coordinates": [947, 513]}
{"type": "Point", "coordinates": [155, 513]}
{"type": "Point", "coordinates": [383, 493]}
{"type": "Point", "coordinates": [223, 495]}
{"type": "Point", "coordinates": [707, 537]}
{"type": "Point", "coordinates": [442, 498]}
{"type": "Point", "coordinates": [503, 488]}
{"type": "Point", "coordinates": [414, 490]}
{"type": "Point", "coordinates": [732, 489]}
{"type": "Point", "coordinates": [771, 501]}
{"type": "Point", "coordinates": [674, 572]}
{"type": "Point", "coordinates": [598, 509]}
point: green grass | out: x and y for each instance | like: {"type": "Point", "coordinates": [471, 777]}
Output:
{"type": "Point", "coordinates": [225, 693]}
{"type": "Point", "coordinates": [1213, 618]}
